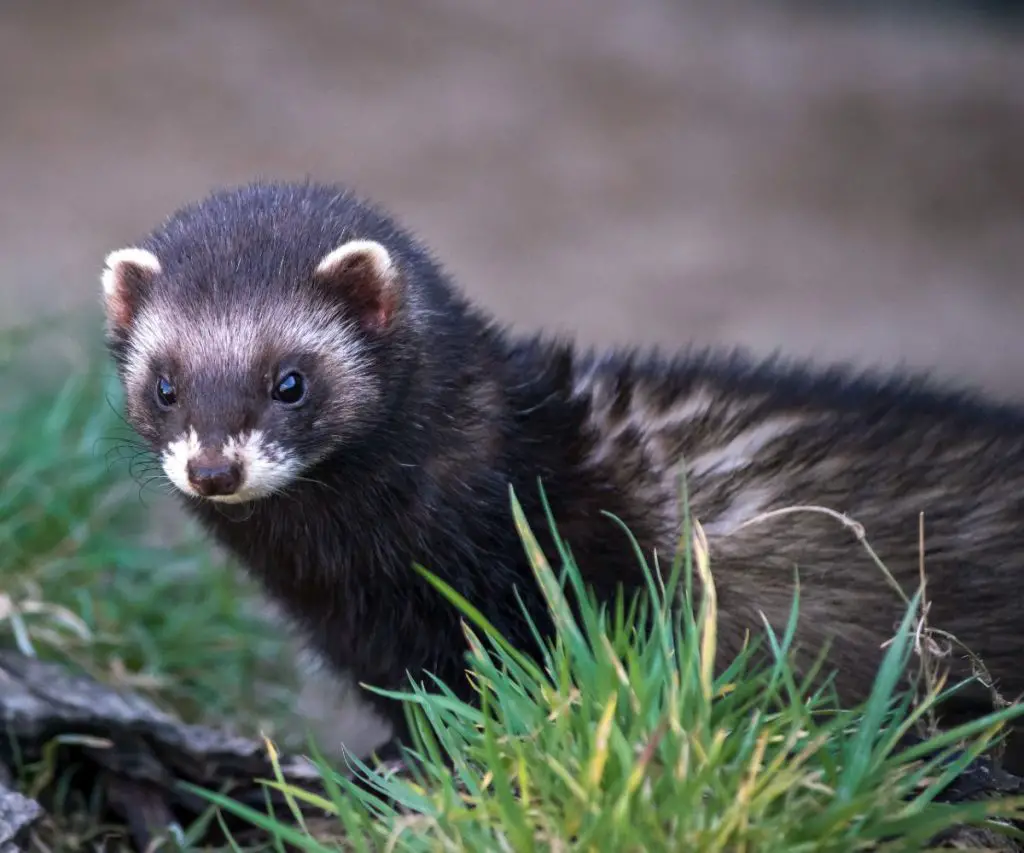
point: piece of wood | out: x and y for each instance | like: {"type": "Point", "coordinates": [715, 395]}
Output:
{"type": "Point", "coordinates": [18, 814]}
{"type": "Point", "coordinates": [137, 752]}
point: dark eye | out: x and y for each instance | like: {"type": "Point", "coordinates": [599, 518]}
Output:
{"type": "Point", "coordinates": [165, 392]}
{"type": "Point", "coordinates": [290, 389]}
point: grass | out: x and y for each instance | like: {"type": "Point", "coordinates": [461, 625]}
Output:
{"type": "Point", "coordinates": [621, 737]}
{"type": "Point", "coordinates": [88, 576]}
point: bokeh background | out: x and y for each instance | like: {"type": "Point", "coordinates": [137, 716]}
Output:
{"type": "Point", "coordinates": [832, 179]}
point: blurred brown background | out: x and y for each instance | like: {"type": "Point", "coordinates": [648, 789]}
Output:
{"type": "Point", "coordinates": [807, 177]}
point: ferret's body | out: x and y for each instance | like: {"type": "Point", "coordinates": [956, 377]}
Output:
{"type": "Point", "coordinates": [416, 414]}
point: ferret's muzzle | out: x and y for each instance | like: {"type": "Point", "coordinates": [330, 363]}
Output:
{"type": "Point", "coordinates": [213, 475]}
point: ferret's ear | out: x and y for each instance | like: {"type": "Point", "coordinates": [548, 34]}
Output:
{"type": "Point", "coordinates": [126, 275]}
{"type": "Point", "coordinates": [364, 275]}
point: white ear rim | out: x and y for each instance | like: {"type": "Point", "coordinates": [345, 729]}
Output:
{"type": "Point", "coordinates": [119, 258]}
{"type": "Point", "coordinates": [381, 257]}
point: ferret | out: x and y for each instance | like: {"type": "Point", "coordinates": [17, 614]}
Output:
{"type": "Point", "coordinates": [334, 410]}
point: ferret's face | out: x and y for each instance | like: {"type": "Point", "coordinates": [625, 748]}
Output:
{"type": "Point", "coordinates": [240, 397]}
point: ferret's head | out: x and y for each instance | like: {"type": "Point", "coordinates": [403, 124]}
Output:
{"type": "Point", "coordinates": [251, 335]}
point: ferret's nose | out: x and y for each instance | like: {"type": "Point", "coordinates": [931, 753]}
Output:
{"type": "Point", "coordinates": [213, 479]}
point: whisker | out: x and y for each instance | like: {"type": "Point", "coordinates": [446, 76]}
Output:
{"type": "Point", "coordinates": [320, 483]}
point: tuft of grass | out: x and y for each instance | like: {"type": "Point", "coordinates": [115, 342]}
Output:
{"type": "Point", "coordinates": [86, 576]}
{"type": "Point", "coordinates": [621, 737]}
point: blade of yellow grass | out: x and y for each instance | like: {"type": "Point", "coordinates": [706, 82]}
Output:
{"type": "Point", "coordinates": [523, 778]}
{"type": "Point", "coordinates": [744, 795]}
{"type": "Point", "coordinates": [600, 758]}
{"type": "Point", "coordinates": [288, 791]}
{"type": "Point", "coordinates": [709, 617]}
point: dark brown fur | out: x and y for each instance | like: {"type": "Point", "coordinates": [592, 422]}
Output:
{"type": "Point", "coordinates": [465, 410]}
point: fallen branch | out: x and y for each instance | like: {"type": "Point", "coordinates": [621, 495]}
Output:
{"type": "Point", "coordinates": [18, 814]}
{"type": "Point", "coordinates": [137, 753]}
